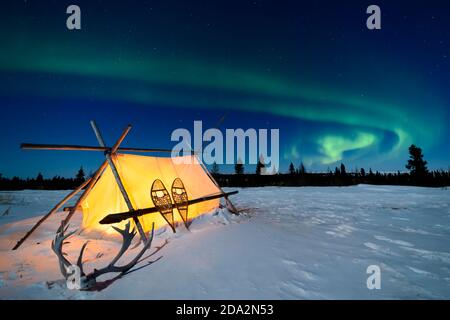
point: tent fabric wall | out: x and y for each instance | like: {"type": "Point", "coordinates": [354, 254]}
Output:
{"type": "Point", "coordinates": [137, 174]}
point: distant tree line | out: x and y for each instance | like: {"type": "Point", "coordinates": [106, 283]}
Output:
{"type": "Point", "coordinates": [337, 177]}
{"type": "Point", "coordinates": [41, 183]}
{"type": "Point", "coordinates": [418, 175]}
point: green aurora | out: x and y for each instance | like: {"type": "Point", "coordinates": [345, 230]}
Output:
{"type": "Point", "coordinates": [379, 98]}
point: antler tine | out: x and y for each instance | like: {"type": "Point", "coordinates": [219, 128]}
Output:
{"type": "Point", "coordinates": [80, 258]}
{"type": "Point", "coordinates": [123, 269]}
{"type": "Point", "coordinates": [127, 238]}
{"type": "Point", "coordinates": [147, 245]}
{"type": "Point", "coordinates": [57, 245]}
{"type": "Point", "coordinates": [61, 260]}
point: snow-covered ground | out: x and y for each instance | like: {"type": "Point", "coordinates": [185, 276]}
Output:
{"type": "Point", "coordinates": [294, 243]}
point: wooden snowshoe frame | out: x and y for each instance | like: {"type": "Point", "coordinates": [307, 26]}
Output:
{"type": "Point", "coordinates": [180, 198]}
{"type": "Point", "coordinates": [162, 202]}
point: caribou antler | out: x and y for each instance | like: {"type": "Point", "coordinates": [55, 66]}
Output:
{"type": "Point", "coordinates": [89, 281]}
{"type": "Point", "coordinates": [57, 244]}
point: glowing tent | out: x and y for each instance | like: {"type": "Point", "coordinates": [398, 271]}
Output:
{"type": "Point", "coordinates": [137, 174]}
{"type": "Point", "coordinates": [122, 189]}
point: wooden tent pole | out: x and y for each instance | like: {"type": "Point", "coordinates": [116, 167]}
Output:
{"type": "Point", "coordinates": [228, 203]}
{"type": "Point", "coordinates": [34, 146]}
{"type": "Point", "coordinates": [113, 167]}
{"type": "Point", "coordinates": [85, 193]}
{"type": "Point", "coordinates": [55, 209]}
{"type": "Point", "coordinates": [94, 179]}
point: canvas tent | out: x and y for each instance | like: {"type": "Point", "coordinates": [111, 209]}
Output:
{"type": "Point", "coordinates": [123, 184]}
{"type": "Point", "coordinates": [137, 174]}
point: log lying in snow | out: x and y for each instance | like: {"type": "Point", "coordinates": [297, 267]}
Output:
{"type": "Point", "coordinates": [117, 217]}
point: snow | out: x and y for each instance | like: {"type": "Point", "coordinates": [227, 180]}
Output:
{"type": "Point", "coordinates": [292, 243]}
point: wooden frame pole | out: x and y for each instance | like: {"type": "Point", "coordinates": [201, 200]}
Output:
{"type": "Point", "coordinates": [94, 179]}
{"type": "Point", "coordinates": [113, 167]}
{"type": "Point", "coordinates": [228, 203]}
{"type": "Point", "coordinates": [86, 192]}
{"type": "Point", "coordinates": [70, 147]}
{"type": "Point", "coordinates": [55, 208]}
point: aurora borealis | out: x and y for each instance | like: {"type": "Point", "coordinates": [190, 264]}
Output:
{"type": "Point", "coordinates": [337, 91]}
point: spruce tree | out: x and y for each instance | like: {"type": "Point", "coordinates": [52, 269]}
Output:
{"type": "Point", "coordinates": [302, 169]}
{"type": "Point", "coordinates": [39, 181]}
{"type": "Point", "coordinates": [416, 165]}
{"type": "Point", "coordinates": [239, 167]}
{"type": "Point", "coordinates": [80, 177]}
{"type": "Point", "coordinates": [259, 166]}
{"type": "Point", "coordinates": [291, 168]}
{"type": "Point", "coordinates": [343, 171]}
{"type": "Point", "coordinates": [40, 178]}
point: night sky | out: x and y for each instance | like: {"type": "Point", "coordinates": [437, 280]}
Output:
{"type": "Point", "coordinates": [337, 91]}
